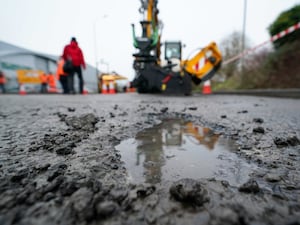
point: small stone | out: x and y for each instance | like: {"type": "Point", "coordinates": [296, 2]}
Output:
{"type": "Point", "coordinates": [293, 141]}
{"type": "Point", "coordinates": [71, 109]}
{"type": "Point", "coordinates": [64, 151]}
{"type": "Point", "coordinates": [165, 109]}
{"type": "Point", "coordinates": [251, 186]}
{"type": "Point", "coordinates": [259, 130]}
{"type": "Point", "coordinates": [225, 183]}
{"type": "Point", "coordinates": [145, 190]}
{"type": "Point", "coordinates": [44, 167]}
{"type": "Point", "coordinates": [258, 120]}
{"type": "Point", "coordinates": [189, 191]}
{"type": "Point", "coordinates": [280, 142]}
{"type": "Point", "coordinates": [21, 174]}
{"type": "Point", "coordinates": [272, 178]}
{"type": "Point", "coordinates": [105, 209]}
{"type": "Point", "coordinates": [114, 166]}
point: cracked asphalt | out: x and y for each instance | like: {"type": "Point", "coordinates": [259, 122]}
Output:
{"type": "Point", "coordinates": [59, 163]}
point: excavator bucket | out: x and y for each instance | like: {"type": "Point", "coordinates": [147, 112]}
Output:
{"type": "Point", "coordinates": [204, 64]}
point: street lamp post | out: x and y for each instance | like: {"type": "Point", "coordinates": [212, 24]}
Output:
{"type": "Point", "coordinates": [96, 50]}
{"type": "Point", "coordinates": [244, 34]}
{"type": "Point", "coordinates": [244, 25]}
{"type": "Point", "coordinates": [95, 43]}
{"type": "Point", "coordinates": [96, 53]}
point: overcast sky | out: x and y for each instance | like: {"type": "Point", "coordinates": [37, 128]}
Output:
{"type": "Point", "coordinates": [103, 27]}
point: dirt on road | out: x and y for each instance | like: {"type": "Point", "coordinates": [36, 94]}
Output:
{"type": "Point", "coordinates": [59, 162]}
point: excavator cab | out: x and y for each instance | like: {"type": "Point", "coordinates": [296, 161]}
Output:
{"type": "Point", "coordinates": [172, 50]}
{"type": "Point", "coordinates": [172, 53]}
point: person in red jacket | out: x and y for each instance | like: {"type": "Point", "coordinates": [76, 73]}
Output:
{"type": "Point", "coordinates": [73, 52]}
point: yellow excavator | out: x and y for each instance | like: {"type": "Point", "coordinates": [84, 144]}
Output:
{"type": "Point", "coordinates": [170, 75]}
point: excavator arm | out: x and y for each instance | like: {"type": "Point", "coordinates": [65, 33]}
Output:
{"type": "Point", "coordinates": [203, 65]}
{"type": "Point", "coordinates": [150, 39]}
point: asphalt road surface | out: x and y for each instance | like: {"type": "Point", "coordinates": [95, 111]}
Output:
{"type": "Point", "coordinates": [60, 163]}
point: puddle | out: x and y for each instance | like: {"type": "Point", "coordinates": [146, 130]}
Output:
{"type": "Point", "coordinates": [178, 149]}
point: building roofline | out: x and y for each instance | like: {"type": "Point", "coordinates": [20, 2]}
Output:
{"type": "Point", "coordinates": [13, 53]}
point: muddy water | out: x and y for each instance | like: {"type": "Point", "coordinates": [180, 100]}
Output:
{"type": "Point", "coordinates": [177, 149]}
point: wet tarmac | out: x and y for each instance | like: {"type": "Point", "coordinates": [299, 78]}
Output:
{"type": "Point", "coordinates": [62, 160]}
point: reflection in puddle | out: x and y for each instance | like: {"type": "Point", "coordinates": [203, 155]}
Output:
{"type": "Point", "coordinates": [178, 149]}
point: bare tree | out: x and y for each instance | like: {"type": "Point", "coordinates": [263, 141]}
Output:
{"type": "Point", "coordinates": [231, 46]}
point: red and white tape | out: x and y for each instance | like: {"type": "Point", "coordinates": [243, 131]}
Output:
{"type": "Point", "coordinates": [272, 39]}
{"type": "Point", "coordinates": [285, 32]}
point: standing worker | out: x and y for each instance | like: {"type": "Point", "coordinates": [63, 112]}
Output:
{"type": "Point", "coordinates": [62, 76]}
{"type": "Point", "coordinates": [51, 83]}
{"type": "Point", "coordinates": [2, 82]}
{"type": "Point", "coordinates": [44, 82]}
{"type": "Point", "coordinates": [73, 52]}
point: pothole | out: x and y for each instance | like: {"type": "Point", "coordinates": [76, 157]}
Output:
{"type": "Point", "coordinates": [177, 149]}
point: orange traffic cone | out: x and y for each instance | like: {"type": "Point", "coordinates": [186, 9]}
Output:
{"type": "Point", "coordinates": [22, 90]}
{"type": "Point", "coordinates": [104, 89]}
{"type": "Point", "coordinates": [206, 88]}
{"type": "Point", "coordinates": [112, 88]}
{"type": "Point", "coordinates": [85, 91]}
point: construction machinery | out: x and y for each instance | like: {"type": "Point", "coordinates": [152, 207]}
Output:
{"type": "Point", "coordinates": [170, 75]}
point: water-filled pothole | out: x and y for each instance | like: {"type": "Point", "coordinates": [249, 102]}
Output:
{"type": "Point", "coordinates": [177, 149]}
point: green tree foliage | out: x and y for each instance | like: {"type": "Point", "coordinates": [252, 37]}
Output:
{"type": "Point", "coordinates": [283, 68]}
{"type": "Point", "coordinates": [266, 68]}
{"type": "Point", "coordinates": [285, 20]}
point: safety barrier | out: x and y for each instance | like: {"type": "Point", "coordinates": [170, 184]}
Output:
{"type": "Point", "coordinates": [272, 39]}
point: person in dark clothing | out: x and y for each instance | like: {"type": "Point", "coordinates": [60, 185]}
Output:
{"type": "Point", "coordinates": [44, 82]}
{"type": "Point", "coordinates": [74, 53]}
